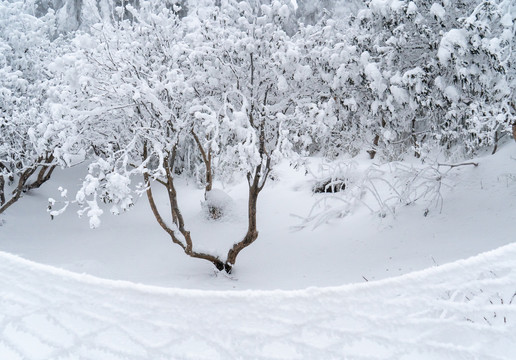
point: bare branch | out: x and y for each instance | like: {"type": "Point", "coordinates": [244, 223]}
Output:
{"type": "Point", "coordinates": [457, 165]}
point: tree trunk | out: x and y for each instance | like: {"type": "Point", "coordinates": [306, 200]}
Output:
{"type": "Point", "coordinates": [19, 189]}
{"type": "Point", "coordinates": [255, 186]}
{"type": "Point", "coordinates": [252, 232]}
{"type": "Point", "coordinates": [43, 176]}
{"type": "Point", "coordinates": [372, 152]}
{"type": "Point", "coordinates": [514, 130]}
{"type": "Point", "coordinates": [496, 139]}
{"type": "Point", "coordinates": [176, 215]}
{"type": "Point", "coordinates": [2, 187]}
{"type": "Point", "coordinates": [206, 158]}
{"type": "Point", "coordinates": [376, 141]}
{"type": "Point", "coordinates": [417, 154]}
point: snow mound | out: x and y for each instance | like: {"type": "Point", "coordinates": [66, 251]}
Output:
{"type": "Point", "coordinates": [464, 310]}
{"type": "Point", "coordinates": [218, 204]}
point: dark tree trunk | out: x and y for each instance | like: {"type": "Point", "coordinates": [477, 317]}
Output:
{"type": "Point", "coordinates": [2, 187]}
{"type": "Point", "coordinates": [17, 193]}
{"type": "Point", "coordinates": [372, 152]}
{"type": "Point", "coordinates": [496, 139]}
{"type": "Point", "coordinates": [44, 175]}
{"type": "Point", "coordinates": [256, 184]}
{"type": "Point", "coordinates": [417, 154]}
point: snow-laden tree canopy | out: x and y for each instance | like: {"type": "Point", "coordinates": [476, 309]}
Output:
{"type": "Point", "coordinates": [158, 95]}
{"type": "Point", "coordinates": [219, 90]}
{"type": "Point", "coordinates": [29, 132]}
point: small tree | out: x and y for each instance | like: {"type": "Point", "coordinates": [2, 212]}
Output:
{"type": "Point", "coordinates": [146, 90]}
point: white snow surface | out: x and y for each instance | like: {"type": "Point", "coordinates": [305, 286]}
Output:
{"type": "Point", "coordinates": [397, 304]}
{"type": "Point", "coordinates": [464, 310]}
{"type": "Point", "coordinates": [478, 214]}
{"type": "Point", "coordinates": [219, 198]}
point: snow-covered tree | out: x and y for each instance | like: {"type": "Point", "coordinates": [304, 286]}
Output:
{"type": "Point", "coordinates": [29, 133]}
{"type": "Point", "coordinates": [326, 122]}
{"type": "Point", "coordinates": [254, 71]}
{"type": "Point", "coordinates": [425, 70]}
{"type": "Point", "coordinates": [310, 12]}
{"type": "Point", "coordinates": [148, 91]}
{"type": "Point", "coordinates": [72, 15]}
{"type": "Point", "coordinates": [476, 61]}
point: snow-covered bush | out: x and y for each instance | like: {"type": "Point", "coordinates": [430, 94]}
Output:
{"type": "Point", "coordinates": [218, 204]}
{"type": "Point", "coordinates": [383, 189]}
{"type": "Point", "coordinates": [476, 63]}
{"type": "Point", "coordinates": [409, 76]}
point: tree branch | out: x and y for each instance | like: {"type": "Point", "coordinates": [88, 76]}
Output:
{"type": "Point", "coordinates": [457, 165]}
{"type": "Point", "coordinates": [207, 162]}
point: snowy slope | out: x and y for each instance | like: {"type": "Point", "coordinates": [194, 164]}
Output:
{"type": "Point", "coordinates": [458, 311]}
{"type": "Point", "coordinates": [478, 215]}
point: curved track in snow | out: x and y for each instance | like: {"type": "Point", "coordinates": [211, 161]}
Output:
{"type": "Point", "coordinates": [464, 310]}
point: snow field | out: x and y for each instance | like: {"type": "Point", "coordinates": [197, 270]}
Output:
{"type": "Point", "coordinates": [477, 215]}
{"type": "Point", "coordinates": [464, 310]}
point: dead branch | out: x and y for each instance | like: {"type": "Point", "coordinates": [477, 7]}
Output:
{"type": "Point", "coordinates": [457, 165]}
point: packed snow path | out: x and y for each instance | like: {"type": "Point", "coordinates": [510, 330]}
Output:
{"type": "Point", "coordinates": [464, 310]}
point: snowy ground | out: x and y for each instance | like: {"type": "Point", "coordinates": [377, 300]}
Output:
{"type": "Point", "coordinates": [478, 214]}
{"type": "Point", "coordinates": [458, 311]}
{"type": "Point", "coordinates": [452, 311]}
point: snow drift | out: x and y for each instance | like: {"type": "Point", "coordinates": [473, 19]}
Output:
{"type": "Point", "coordinates": [464, 310]}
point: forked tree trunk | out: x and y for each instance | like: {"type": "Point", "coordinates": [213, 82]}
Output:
{"type": "Point", "coordinates": [182, 237]}
{"type": "Point", "coordinates": [44, 174]}
{"type": "Point", "coordinates": [177, 232]}
{"type": "Point", "coordinates": [17, 192]}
